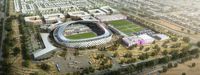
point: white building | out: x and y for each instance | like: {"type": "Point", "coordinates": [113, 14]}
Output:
{"type": "Point", "coordinates": [28, 9]}
{"type": "Point", "coordinates": [48, 46]}
{"type": "Point", "coordinates": [111, 17]}
{"type": "Point", "coordinates": [16, 3]}
{"type": "Point", "coordinates": [35, 20]}
{"type": "Point", "coordinates": [96, 12]}
{"type": "Point", "coordinates": [108, 10]}
{"type": "Point", "coordinates": [89, 18]}
{"type": "Point", "coordinates": [54, 18]}
{"type": "Point", "coordinates": [130, 41]}
{"type": "Point", "coordinates": [146, 39]}
{"type": "Point", "coordinates": [78, 15]}
{"type": "Point", "coordinates": [161, 36]}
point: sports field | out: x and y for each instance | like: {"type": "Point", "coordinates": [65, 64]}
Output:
{"type": "Point", "coordinates": [126, 27]}
{"type": "Point", "coordinates": [82, 35]}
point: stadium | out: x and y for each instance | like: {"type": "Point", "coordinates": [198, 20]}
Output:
{"type": "Point", "coordinates": [81, 34]}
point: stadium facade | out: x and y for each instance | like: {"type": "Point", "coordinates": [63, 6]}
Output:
{"type": "Point", "coordinates": [103, 35]}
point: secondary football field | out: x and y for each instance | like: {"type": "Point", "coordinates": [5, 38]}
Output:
{"type": "Point", "coordinates": [126, 26]}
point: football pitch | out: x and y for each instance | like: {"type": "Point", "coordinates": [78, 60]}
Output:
{"type": "Point", "coordinates": [81, 35]}
{"type": "Point", "coordinates": [126, 27]}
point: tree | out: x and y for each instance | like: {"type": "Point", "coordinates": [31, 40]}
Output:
{"type": "Point", "coordinates": [197, 56]}
{"type": "Point", "coordinates": [147, 49]}
{"type": "Point", "coordinates": [186, 39]}
{"type": "Point", "coordinates": [45, 66]}
{"type": "Point", "coordinates": [169, 65]}
{"type": "Point", "coordinates": [76, 73]}
{"type": "Point", "coordinates": [182, 29]}
{"type": "Point", "coordinates": [193, 64]}
{"type": "Point", "coordinates": [183, 73]}
{"type": "Point", "coordinates": [165, 52]}
{"type": "Point", "coordinates": [195, 32]}
{"type": "Point", "coordinates": [16, 51]}
{"type": "Point", "coordinates": [141, 47]}
{"type": "Point", "coordinates": [86, 71]}
{"type": "Point", "coordinates": [115, 54]}
{"type": "Point", "coordinates": [76, 52]}
{"type": "Point", "coordinates": [91, 69]}
{"type": "Point", "coordinates": [164, 60]}
{"type": "Point", "coordinates": [63, 54]}
{"type": "Point", "coordinates": [174, 39]}
{"type": "Point", "coordinates": [143, 56]}
{"type": "Point", "coordinates": [156, 47]}
{"type": "Point", "coordinates": [165, 69]}
{"type": "Point", "coordinates": [128, 55]}
{"type": "Point", "coordinates": [175, 64]}
{"type": "Point", "coordinates": [198, 43]}
{"type": "Point", "coordinates": [35, 73]}
{"type": "Point", "coordinates": [132, 60]}
{"type": "Point", "coordinates": [194, 51]}
{"type": "Point", "coordinates": [26, 63]}
{"type": "Point", "coordinates": [174, 54]}
{"type": "Point", "coordinates": [153, 53]}
{"type": "Point", "coordinates": [188, 31]}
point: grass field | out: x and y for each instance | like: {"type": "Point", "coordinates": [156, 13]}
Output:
{"type": "Point", "coordinates": [126, 27]}
{"type": "Point", "coordinates": [82, 35]}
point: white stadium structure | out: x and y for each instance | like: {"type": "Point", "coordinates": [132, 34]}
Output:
{"type": "Point", "coordinates": [103, 35]}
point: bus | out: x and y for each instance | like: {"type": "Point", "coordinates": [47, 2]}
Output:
{"type": "Point", "coordinates": [58, 67]}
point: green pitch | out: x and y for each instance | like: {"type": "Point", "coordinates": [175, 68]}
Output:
{"type": "Point", "coordinates": [82, 35]}
{"type": "Point", "coordinates": [126, 26]}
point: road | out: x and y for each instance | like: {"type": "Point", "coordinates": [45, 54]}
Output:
{"type": "Point", "coordinates": [3, 30]}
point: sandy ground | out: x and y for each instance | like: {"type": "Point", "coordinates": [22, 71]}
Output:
{"type": "Point", "coordinates": [185, 68]}
{"type": "Point", "coordinates": [169, 24]}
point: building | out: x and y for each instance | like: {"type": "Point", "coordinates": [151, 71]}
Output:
{"type": "Point", "coordinates": [89, 18]}
{"type": "Point", "coordinates": [97, 12]}
{"type": "Point", "coordinates": [16, 3]}
{"type": "Point", "coordinates": [161, 36]}
{"type": "Point", "coordinates": [146, 39]}
{"type": "Point", "coordinates": [108, 10]}
{"type": "Point", "coordinates": [142, 39]}
{"type": "Point", "coordinates": [54, 18]}
{"type": "Point", "coordinates": [78, 14]}
{"type": "Point", "coordinates": [130, 41]}
{"type": "Point", "coordinates": [48, 47]}
{"type": "Point", "coordinates": [35, 20]}
{"type": "Point", "coordinates": [105, 18]}
{"type": "Point", "coordinates": [104, 35]}
{"type": "Point", "coordinates": [28, 9]}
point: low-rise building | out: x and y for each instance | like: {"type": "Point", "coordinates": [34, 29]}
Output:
{"type": "Point", "coordinates": [78, 14]}
{"type": "Point", "coordinates": [35, 20]}
{"type": "Point", "coordinates": [54, 18]}
{"type": "Point", "coordinates": [130, 41]}
{"type": "Point", "coordinates": [161, 36]}
{"type": "Point", "coordinates": [108, 10]}
{"type": "Point", "coordinates": [96, 12]}
{"type": "Point", "coordinates": [146, 39]}
{"type": "Point", "coordinates": [138, 40]}
{"type": "Point", "coordinates": [113, 17]}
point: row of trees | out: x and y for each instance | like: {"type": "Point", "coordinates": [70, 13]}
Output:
{"type": "Point", "coordinates": [135, 68]}
{"type": "Point", "coordinates": [24, 38]}
{"type": "Point", "coordinates": [8, 47]}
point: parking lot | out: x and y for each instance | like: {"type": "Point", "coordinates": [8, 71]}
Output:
{"type": "Point", "coordinates": [71, 63]}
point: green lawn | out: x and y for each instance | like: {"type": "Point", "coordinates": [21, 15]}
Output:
{"type": "Point", "coordinates": [126, 27]}
{"type": "Point", "coordinates": [82, 35]}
